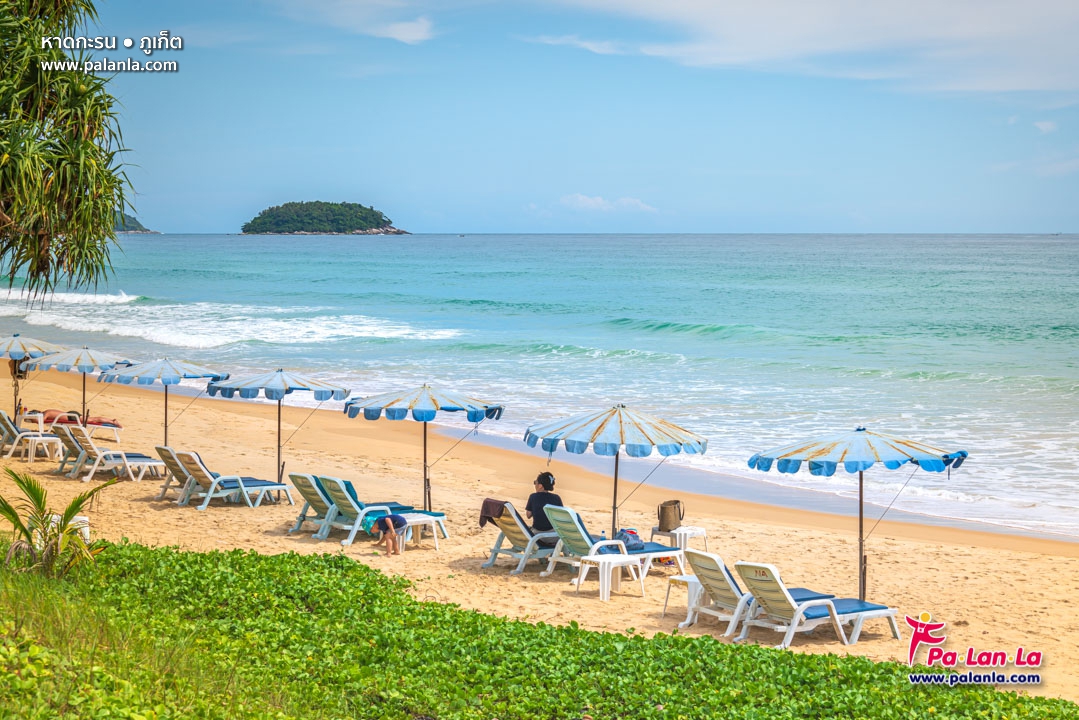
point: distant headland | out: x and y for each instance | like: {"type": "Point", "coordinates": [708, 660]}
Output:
{"type": "Point", "coordinates": [321, 218]}
{"type": "Point", "coordinates": [127, 224]}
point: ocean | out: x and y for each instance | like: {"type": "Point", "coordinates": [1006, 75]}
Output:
{"type": "Point", "coordinates": [960, 341]}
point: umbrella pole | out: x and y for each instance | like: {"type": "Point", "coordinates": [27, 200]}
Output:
{"type": "Point", "coordinates": [861, 539]}
{"type": "Point", "coordinates": [84, 399]}
{"type": "Point", "coordinates": [166, 416]}
{"type": "Point", "coordinates": [614, 500]}
{"type": "Point", "coordinates": [280, 467]}
{"type": "Point", "coordinates": [426, 473]}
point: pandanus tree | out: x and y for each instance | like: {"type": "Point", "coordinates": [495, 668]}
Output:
{"type": "Point", "coordinates": [61, 179]}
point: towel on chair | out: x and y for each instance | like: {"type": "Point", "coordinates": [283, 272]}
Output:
{"type": "Point", "coordinates": [491, 509]}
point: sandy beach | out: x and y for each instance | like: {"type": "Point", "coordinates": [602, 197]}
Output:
{"type": "Point", "coordinates": [995, 591]}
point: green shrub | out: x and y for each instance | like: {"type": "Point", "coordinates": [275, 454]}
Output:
{"type": "Point", "coordinates": [238, 634]}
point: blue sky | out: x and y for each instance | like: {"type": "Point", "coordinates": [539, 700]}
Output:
{"type": "Point", "coordinates": [609, 116]}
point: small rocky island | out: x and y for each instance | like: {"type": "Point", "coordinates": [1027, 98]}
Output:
{"type": "Point", "coordinates": [127, 224]}
{"type": "Point", "coordinates": [321, 218]}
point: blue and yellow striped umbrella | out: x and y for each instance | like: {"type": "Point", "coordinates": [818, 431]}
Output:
{"type": "Point", "coordinates": [612, 431]}
{"type": "Point", "coordinates": [165, 371]}
{"type": "Point", "coordinates": [275, 386]}
{"type": "Point", "coordinates": [856, 451]}
{"type": "Point", "coordinates": [83, 360]}
{"type": "Point", "coordinates": [423, 403]}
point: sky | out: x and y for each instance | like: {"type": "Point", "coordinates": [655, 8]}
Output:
{"type": "Point", "coordinates": [617, 116]}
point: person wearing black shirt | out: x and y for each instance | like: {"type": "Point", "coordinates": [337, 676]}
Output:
{"type": "Point", "coordinates": [540, 499]}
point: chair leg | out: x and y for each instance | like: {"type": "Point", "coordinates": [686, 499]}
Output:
{"type": "Point", "coordinates": [494, 553]}
{"type": "Point", "coordinates": [300, 518]}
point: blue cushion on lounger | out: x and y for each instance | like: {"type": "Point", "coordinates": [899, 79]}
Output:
{"type": "Point", "coordinates": [393, 506]}
{"type": "Point", "coordinates": [844, 606]}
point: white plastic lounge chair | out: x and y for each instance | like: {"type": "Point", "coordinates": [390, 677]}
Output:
{"type": "Point", "coordinates": [209, 485]}
{"type": "Point", "coordinates": [720, 594]}
{"type": "Point", "coordinates": [781, 612]}
{"type": "Point", "coordinates": [523, 544]}
{"type": "Point", "coordinates": [574, 543]}
{"type": "Point", "coordinates": [113, 460]}
{"type": "Point", "coordinates": [314, 500]}
{"type": "Point", "coordinates": [73, 452]}
{"type": "Point", "coordinates": [175, 473]}
{"type": "Point", "coordinates": [350, 512]}
{"type": "Point", "coordinates": [15, 437]}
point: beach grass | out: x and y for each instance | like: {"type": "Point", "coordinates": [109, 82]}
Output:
{"type": "Point", "coordinates": [160, 633]}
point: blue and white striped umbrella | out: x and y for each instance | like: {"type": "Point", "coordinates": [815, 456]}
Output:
{"type": "Point", "coordinates": [165, 371]}
{"type": "Point", "coordinates": [423, 403]}
{"type": "Point", "coordinates": [18, 347]}
{"type": "Point", "coordinates": [856, 451]}
{"type": "Point", "coordinates": [612, 431]}
{"type": "Point", "coordinates": [83, 360]}
{"type": "Point", "coordinates": [275, 386]}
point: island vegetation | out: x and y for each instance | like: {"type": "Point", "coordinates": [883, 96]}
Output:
{"type": "Point", "coordinates": [129, 224]}
{"type": "Point", "coordinates": [321, 218]}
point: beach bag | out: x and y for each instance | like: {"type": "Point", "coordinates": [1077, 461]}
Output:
{"type": "Point", "coordinates": [670, 514]}
{"type": "Point", "coordinates": [630, 539]}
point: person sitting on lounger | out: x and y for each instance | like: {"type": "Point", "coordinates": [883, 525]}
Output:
{"type": "Point", "coordinates": [390, 526]}
{"type": "Point", "coordinates": [540, 499]}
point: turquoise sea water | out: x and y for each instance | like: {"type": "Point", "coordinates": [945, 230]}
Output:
{"type": "Point", "coordinates": [965, 342]}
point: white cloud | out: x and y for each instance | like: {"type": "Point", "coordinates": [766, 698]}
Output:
{"type": "Point", "coordinates": [972, 45]}
{"type": "Point", "coordinates": [1068, 166]}
{"type": "Point", "coordinates": [393, 19]}
{"type": "Point", "coordinates": [413, 32]}
{"type": "Point", "coordinates": [579, 201]}
{"type": "Point", "coordinates": [1046, 126]}
{"type": "Point", "coordinates": [600, 47]}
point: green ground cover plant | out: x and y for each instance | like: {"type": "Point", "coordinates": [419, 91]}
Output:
{"type": "Point", "coordinates": [158, 633]}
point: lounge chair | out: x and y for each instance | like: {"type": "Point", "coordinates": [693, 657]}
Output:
{"type": "Point", "coordinates": [175, 473]}
{"type": "Point", "coordinates": [523, 544]}
{"type": "Point", "coordinates": [781, 612]}
{"type": "Point", "coordinates": [73, 452]}
{"type": "Point", "coordinates": [113, 460]}
{"type": "Point", "coordinates": [209, 485]}
{"type": "Point", "coordinates": [351, 512]}
{"type": "Point", "coordinates": [32, 439]}
{"type": "Point", "coordinates": [574, 543]}
{"type": "Point", "coordinates": [721, 596]}
{"type": "Point", "coordinates": [315, 500]}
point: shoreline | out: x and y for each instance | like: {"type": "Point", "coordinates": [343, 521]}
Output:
{"type": "Point", "coordinates": [958, 575]}
{"type": "Point", "coordinates": [705, 484]}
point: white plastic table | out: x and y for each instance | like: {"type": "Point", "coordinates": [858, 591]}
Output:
{"type": "Point", "coordinates": [50, 443]}
{"type": "Point", "coordinates": [681, 535]}
{"type": "Point", "coordinates": [415, 524]}
{"type": "Point", "coordinates": [610, 572]}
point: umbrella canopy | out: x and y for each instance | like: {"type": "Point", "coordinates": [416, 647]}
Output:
{"type": "Point", "coordinates": [423, 403]}
{"type": "Point", "coordinates": [612, 431]}
{"type": "Point", "coordinates": [165, 371]}
{"type": "Point", "coordinates": [856, 451]}
{"type": "Point", "coordinates": [275, 386]}
{"type": "Point", "coordinates": [83, 360]}
{"type": "Point", "coordinates": [18, 347]}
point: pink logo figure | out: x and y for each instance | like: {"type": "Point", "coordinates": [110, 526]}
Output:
{"type": "Point", "coordinates": [922, 634]}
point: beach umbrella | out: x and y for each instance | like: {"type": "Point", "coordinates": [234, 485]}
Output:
{"type": "Point", "coordinates": [423, 403]}
{"type": "Point", "coordinates": [856, 452]}
{"type": "Point", "coordinates": [83, 360]}
{"type": "Point", "coordinates": [613, 431]}
{"type": "Point", "coordinates": [165, 371]}
{"type": "Point", "coordinates": [18, 347]}
{"type": "Point", "coordinates": [275, 386]}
